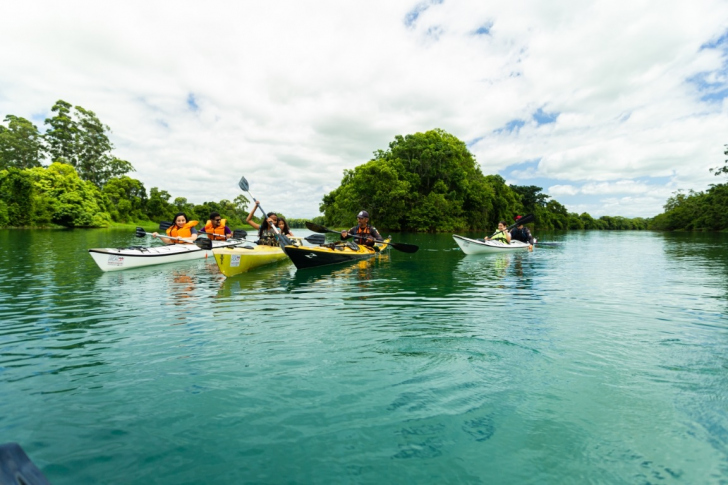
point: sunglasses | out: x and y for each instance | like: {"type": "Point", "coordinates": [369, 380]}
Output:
{"type": "Point", "coordinates": [217, 220]}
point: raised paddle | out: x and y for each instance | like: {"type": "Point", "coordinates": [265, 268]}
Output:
{"type": "Point", "coordinates": [405, 248]}
{"type": "Point", "coordinates": [282, 239]}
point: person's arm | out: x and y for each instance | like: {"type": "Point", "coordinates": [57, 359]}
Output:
{"type": "Point", "coordinates": [163, 239]}
{"type": "Point", "coordinates": [377, 237]}
{"type": "Point", "coordinates": [250, 220]}
{"type": "Point", "coordinates": [228, 232]}
{"type": "Point", "coordinates": [508, 237]}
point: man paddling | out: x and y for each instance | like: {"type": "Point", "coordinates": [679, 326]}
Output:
{"type": "Point", "coordinates": [521, 233]}
{"type": "Point", "coordinates": [216, 228]}
{"type": "Point", "coordinates": [367, 235]}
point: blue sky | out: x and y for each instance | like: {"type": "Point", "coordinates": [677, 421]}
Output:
{"type": "Point", "coordinates": [610, 108]}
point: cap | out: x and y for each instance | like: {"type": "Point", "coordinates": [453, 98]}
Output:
{"type": "Point", "coordinates": [517, 217]}
{"type": "Point", "coordinates": [363, 214]}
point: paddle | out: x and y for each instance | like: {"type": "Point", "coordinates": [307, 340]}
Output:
{"type": "Point", "coordinates": [282, 239]}
{"type": "Point", "coordinates": [200, 243]}
{"type": "Point", "coordinates": [405, 248]}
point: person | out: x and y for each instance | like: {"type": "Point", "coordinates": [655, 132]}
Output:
{"type": "Point", "coordinates": [283, 226]}
{"type": "Point", "coordinates": [266, 230]}
{"type": "Point", "coordinates": [502, 235]}
{"type": "Point", "coordinates": [368, 235]}
{"type": "Point", "coordinates": [182, 228]}
{"type": "Point", "coordinates": [216, 228]}
{"type": "Point", "coordinates": [521, 233]}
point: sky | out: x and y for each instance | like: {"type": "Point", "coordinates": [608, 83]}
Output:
{"type": "Point", "coordinates": [609, 106]}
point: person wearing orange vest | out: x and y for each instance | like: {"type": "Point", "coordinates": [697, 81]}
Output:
{"type": "Point", "coordinates": [216, 228]}
{"type": "Point", "coordinates": [182, 229]}
{"type": "Point", "coordinates": [366, 234]}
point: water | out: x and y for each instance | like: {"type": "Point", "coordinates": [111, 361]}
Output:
{"type": "Point", "coordinates": [600, 361]}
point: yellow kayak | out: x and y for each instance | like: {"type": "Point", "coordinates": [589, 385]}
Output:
{"type": "Point", "coordinates": [233, 261]}
{"type": "Point", "coordinates": [333, 253]}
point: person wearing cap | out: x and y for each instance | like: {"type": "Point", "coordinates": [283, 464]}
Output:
{"type": "Point", "coordinates": [521, 233]}
{"type": "Point", "coordinates": [363, 232]}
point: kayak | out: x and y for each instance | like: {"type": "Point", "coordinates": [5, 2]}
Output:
{"type": "Point", "coordinates": [474, 246]}
{"type": "Point", "coordinates": [233, 261]}
{"type": "Point", "coordinates": [116, 259]}
{"type": "Point", "coordinates": [305, 257]}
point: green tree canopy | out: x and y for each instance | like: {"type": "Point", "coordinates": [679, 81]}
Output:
{"type": "Point", "coordinates": [423, 182]}
{"type": "Point", "coordinates": [81, 140]}
{"type": "Point", "coordinates": [21, 144]}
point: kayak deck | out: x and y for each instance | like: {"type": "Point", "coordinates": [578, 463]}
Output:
{"type": "Point", "coordinates": [334, 253]}
{"type": "Point", "coordinates": [474, 246]}
{"type": "Point", "coordinates": [234, 261]}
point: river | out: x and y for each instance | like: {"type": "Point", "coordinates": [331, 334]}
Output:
{"type": "Point", "coordinates": [601, 360]}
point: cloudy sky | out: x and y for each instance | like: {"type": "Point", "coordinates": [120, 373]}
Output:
{"type": "Point", "coordinates": [609, 106]}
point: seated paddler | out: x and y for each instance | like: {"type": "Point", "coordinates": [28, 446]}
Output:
{"type": "Point", "coordinates": [216, 228]}
{"type": "Point", "coordinates": [501, 234]}
{"type": "Point", "coordinates": [363, 232]}
{"type": "Point", "coordinates": [181, 232]}
{"type": "Point", "coordinates": [523, 234]}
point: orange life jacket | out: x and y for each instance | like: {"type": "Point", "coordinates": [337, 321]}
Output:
{"type": "Point", "coordinates": [216, 233]}
{"type": "Point", "coordinates": [185, 231]}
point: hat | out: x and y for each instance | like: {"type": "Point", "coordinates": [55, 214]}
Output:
{"type": "Point", "coordinates": [517, 217]}
{"type": "Point", "coordinates": [363, 214]}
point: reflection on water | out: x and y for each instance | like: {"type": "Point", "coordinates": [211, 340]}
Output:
{"type": "Point", "coordinates": [603, 357]}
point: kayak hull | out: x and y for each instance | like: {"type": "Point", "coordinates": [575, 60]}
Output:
{"type": "Point", "coordinates": [234, 261]}
{"type": "Point", "coordinates": [117, 259]}
{"type": "Point", "coordinates": [473, 246]}
{"type": "Point", "coordinates": [306, 257]}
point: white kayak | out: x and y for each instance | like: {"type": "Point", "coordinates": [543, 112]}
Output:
{"type": "Point", "coordinates": [116, 259]}
{"type": "Point", "coordinates": [474, 246]}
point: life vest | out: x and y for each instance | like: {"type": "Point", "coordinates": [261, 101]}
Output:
{"type": "Point", "coordinates": [267, 237]}
{"type": "Point", "coordinates": [216, 233]}
{"type": "Point", "coordinates": [501, 236]}
{"type": "Point", "coordinates": [363, 232]}
{"type": "Point", "coordinates": [185, 231]}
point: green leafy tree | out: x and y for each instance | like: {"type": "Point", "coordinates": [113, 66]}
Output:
{"type": "Point", "coordinates": [158, 206]}
{"type": "Point", "coordinates": [21, 144]}
{"type": "Point", "coordinates": [81, 140]}
{"type": "Point", "coordinates": [531, 197]}
{"type": "Point", "coordinates": [127, 199]}
{"type": "Point", "coordinates": [423, 182]}
{"type": "Point", "coordinates": [18, 198]}
{"type": "Point", "coordinates": [63, 198]}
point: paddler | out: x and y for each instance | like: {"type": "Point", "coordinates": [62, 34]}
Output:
{"type": "Point", "coordinates": [182, 230]}
{"type": "Point", "coordinates": [266, 230]}
{"type": "Point", "coordinates": [521, 233]}
{"type": "Point", "coordinates": [502, 234]}
{"type": "Point", "coordinates": [366, 234]}
{"type": "Point", "coordinates": [216, 228]}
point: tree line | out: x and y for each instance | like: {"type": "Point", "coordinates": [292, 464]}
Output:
{"type": "Point", "coordinates": [424, 182]}
{"type": "Point", "coordinates": [430, 182]}
{"type": "Point", "coordinates": [85, 185]}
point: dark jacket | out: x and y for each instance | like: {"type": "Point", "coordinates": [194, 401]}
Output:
{"type": "Point", "coordinates": [523, 235]}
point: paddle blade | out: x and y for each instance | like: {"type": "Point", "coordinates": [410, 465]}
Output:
{"type": "Point", "coordinates": [405, 248]}
{"type": "Point", "coordinates": [316, 239]}
{"type": "Point", "coordinates": [164, 225]}
{"type": "Point", "coordinates": [240, 234]}
{"type": "Point", "coordinates": [140, 232]}
{"type": "Point", "coordinates": [317, 228]}
{"type": "Point", "coordinates": [203, 243]}
{"type": "Point", "coordinates": [243, 184]}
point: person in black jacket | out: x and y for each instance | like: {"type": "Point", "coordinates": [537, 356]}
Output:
{"type": "Point", "coordinates": [521, 233]}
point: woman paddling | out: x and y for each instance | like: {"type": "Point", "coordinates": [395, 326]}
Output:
{"type": "Point", "coordinates": [502, 234]}
{"type": "Point", "coordinates": [181, 229]}
{"type": "Point", "coordinates": [266, 230]}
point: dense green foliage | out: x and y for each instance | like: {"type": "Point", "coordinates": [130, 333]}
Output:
{"type": "Point", "coordinates": [430, 182]}
{"type": "Point", "coordinates": [697, 211]}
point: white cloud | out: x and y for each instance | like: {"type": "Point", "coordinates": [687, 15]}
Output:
{"type": "Point", "coordinates": [292, 93]}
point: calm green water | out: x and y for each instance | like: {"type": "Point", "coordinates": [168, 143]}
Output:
{"type": "Point", "coordinates": [602, 361]}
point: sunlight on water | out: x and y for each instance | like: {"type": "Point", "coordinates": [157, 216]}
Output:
{"type": "Point", "coordinates": [599, 360]}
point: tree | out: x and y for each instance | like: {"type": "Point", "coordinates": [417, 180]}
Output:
{"type": "Point", "coordinates": [721, 170]}
{"type": "Point", "coordinates": [531, 197]}
{"type": "Point", "coordinates": [21, 144]}
{"type": "Point", "coordinates": [81, 140]}
{"type": "Point", "coordinates": [423, 182]}
{"type": "Point", "coordinates": [127, 199]}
